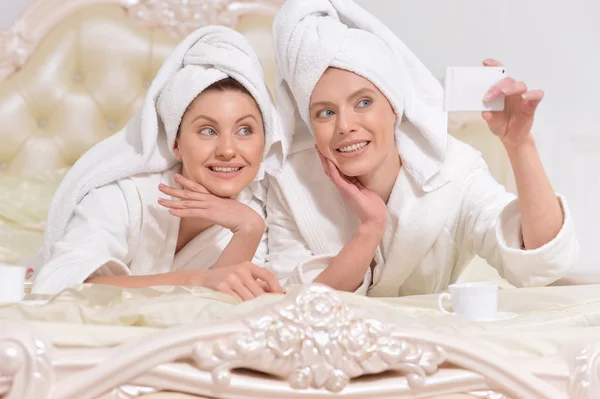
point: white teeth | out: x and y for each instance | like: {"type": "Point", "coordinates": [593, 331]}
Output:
{"type": "Point", "coordinates": [224, 170]}
{"type": "Point", "coordinates": [353, 147]}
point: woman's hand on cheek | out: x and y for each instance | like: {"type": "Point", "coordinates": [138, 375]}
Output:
{"type": "Point", "coordinates": [194, 201]}
{"type": "Point", "coordinates": [371, 209]}
{"type": "Point", "coordinates": [513, 125]}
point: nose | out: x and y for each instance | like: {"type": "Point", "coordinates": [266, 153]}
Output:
{"type": "Point", "coordinates": [225, 148]}
{"type": "Point", "coordinates": [346, 122]}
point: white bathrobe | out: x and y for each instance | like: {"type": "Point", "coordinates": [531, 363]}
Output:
{"type": "Point", "coordinates": [103, 236]}
{"type": "Point", "coordinates": [430, 236]}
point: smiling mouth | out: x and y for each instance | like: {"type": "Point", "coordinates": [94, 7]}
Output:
{"type": "Point", "coordinates": [221, 169]}
{"type": "Point", "coordinates": [353, 147]}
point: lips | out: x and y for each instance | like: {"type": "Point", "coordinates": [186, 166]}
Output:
{"type": "Point", "coordinates": [225, 167]}
{"type": "Point", "coordinates": [353, 146]}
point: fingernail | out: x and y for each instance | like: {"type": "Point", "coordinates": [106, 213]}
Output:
{"type": "Point", "coordinates": [524, 96]}
{"type": "Point", "coordinates": [488, 96]}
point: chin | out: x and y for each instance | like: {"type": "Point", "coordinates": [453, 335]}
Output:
{"type": "Point", "coordinates": [357, 167]}
{"type": "Point", "coordinates": [225, 190]}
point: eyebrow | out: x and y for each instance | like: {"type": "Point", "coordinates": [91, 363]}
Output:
{"type": "Point", "coordinates": [208, 118]}
{"type": "Point", "coordinates": [215, 122]}
{"type": "Point", "coordinates": [246, 116]}
{"type": "Point", "coordinates": [352, 96]}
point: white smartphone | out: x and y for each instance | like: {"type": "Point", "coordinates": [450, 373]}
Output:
{"type": "Point", "coordinates": [465, 87]}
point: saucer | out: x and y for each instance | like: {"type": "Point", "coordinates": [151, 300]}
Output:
{"type": "Point", "coordinates": [499, 316]}
{"type": "Point", "coordinates": [33, 302]}
{"type": "Point", "coordinates": [27, 302]}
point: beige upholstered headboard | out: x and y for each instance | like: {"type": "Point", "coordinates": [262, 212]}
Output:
{"type": "Point", "coordinates": [72, 72]}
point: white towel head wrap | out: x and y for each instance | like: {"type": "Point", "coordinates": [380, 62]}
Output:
{"type": "Point", "coordinates": [313, 35]}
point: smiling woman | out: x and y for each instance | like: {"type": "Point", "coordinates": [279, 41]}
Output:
{"type": "Point", "coordinates": [202, 134]}
{"type": "Point", "coordinates": [402, 207]}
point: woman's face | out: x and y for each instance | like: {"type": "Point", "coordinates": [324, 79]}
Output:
{"type": "Point", "coordinates": [353, 122]}
{"type": "Point", "coordinates": [221, 141]}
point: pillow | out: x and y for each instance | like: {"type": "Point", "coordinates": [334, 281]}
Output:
{"type": "Point", "coordinates": [24, 202]}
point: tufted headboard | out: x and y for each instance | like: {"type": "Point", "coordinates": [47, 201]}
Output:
{"type": "Point", "coordinates": [72, 72]}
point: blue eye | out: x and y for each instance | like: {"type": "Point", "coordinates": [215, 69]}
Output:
{"type": "Point", "coordinates": [207, 131]}
{"type": "Point", "coordinates": [365, 103]}
{"type": "Point", "coordinates": [245, 131]}
{"type": "Point", "coordinates": [326, 113]}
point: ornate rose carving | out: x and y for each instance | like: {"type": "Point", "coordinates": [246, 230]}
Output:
{"type": "Point", "coordinates": [584, 382]}
{"type": "Point", "coordinates": [15, 47]}
{"type": "Point", "coordinates": [25, 358]}
{"type": "Point", "coordinates": [317, 341]}
{"type": "Point", "coordinates": [181, 17]}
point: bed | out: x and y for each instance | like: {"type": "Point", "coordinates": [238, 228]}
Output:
{"type": "Point", "coordinates": [71, 73]}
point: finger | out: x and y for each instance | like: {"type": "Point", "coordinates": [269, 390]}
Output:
{"type": "Point", "coordinates": [491, 62]}
{"type": "Point", "coordinates": [191, 213]}
{"type": "Point", "coordinates": [532, 99]}
{"type": "Point", "coordinates": [252, 284]}
{"type": "Point", "coordinates": [231, 292]}
{"type": "Point", "coordinates": [183, 194]}
{"type": "Point", "coordinates": [334, 173]}
{"type": "Point", "coordinates": [323, 161]}
{"type": "Point", "coordinates": [179, 204]}
{"type": "Point", "coordinates": [518, 88]}
{"type": "Point", "coordinates": [487, 116]}
{"type": "Point", "coordinates": [241, 290]}
{"type": "Point", "coordinates": [268, 277]}
{"type": "Point", "coordinates": [498, 88]}
{"type": "Point", "coordinates": [190, 185]}
{"type": "Point", "coordinates": [359, 185]}
{"type": "Point", "coordinates": [533, 95]}
{"type": "Point", "coordinates": [263, 285]}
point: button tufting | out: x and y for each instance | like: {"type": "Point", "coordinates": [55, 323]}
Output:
{"type": "Point", "coordinates": [111, 125]}
{"type": "Point", "coordinates": [77, 78]}
{"type": "Point", "coordinates": [3, 165]}
{"type": "Point", "coordinates": [42, 123]}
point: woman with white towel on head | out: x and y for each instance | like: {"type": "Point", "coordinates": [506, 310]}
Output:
{"type": "Point", "coordinates": [174, 198]}
{"type": "Point", "coordinates": [374, 196]}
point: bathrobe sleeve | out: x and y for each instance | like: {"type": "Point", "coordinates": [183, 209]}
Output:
{"type": "Point", "coordinates": [260, 256]}
{"type": "Point", "coordinates": [490, 225]}
{"type": "Point", "coordinates": [96, 242]}
{"type": "Point", "coordinates": [290, 257]}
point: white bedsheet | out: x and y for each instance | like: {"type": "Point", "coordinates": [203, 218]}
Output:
{"type": "Point", "coordinates": [98, 316]}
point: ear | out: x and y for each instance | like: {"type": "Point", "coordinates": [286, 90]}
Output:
{"type": "Point", "coordinates": [176, 150]}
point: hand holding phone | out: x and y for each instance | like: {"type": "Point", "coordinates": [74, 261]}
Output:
{"type": "Point", "coordinates": [465, 88]}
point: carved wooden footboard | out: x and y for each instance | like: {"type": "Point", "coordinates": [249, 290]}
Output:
{"type": "Point", "coordinates": [309, 344]}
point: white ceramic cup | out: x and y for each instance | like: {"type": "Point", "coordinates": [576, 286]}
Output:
{"type": "Point", "coordinates": [478, 301]}
{"type": "Point", "coordinates": [12, 283]}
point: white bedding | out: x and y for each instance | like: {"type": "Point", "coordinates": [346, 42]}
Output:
{"type": "Point", "coordinates": [99, 316]}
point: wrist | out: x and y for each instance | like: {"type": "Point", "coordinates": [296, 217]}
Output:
{"type": "Point", "coordinates": [372, 229]}
{"type": "Point", "coordinates": [251, 228]}
{"type": "Point", "coordinates": [189, 277]}
{"type": "Point", "coordinates": [526, 144]}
